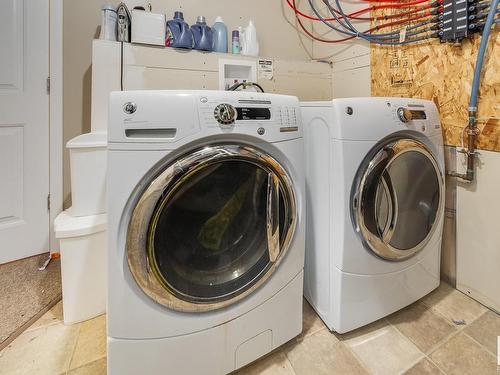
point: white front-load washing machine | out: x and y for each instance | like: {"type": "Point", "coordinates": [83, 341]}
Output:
{"type": "Point", "coordinates": [375, 206]}
{"type": "Point", "coordinates": [206, 229]}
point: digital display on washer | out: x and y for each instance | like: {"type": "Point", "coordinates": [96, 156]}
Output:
{"type": "Point", "coordinates": [418, 115]}
{"type": "Point", "coordinates": [253, 113]}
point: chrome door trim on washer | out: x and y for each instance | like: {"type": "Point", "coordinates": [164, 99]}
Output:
{"type": "Point", "coordinates": [373, 173]}
{"type": "Point", "coordinates": [142, 262]}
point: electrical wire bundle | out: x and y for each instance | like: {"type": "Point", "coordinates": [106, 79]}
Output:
{"type": "Point", "coordinates": [426, 13]}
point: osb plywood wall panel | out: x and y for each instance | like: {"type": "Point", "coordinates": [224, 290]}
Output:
{"type": "Point", "coordinates": [443, 73]}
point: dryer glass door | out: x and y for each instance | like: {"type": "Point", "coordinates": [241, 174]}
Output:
{"type": "Point", "coordinates": [397, 198]}
{"type": "Point", "coordinates": [211, 227]}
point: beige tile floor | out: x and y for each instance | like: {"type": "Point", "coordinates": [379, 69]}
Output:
{"type": "Point", "coordinates": [420, 339]}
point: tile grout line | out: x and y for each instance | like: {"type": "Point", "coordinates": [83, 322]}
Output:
{"type": "Point", "coordinates": [310, 333]}
{"type": "Point", "coordinates": [458, 327]}
{"type": "Point", "coordinates": [350, 350]}
{"type": "Point", "coordinates": [423, 355]}
{"type": "Point", "coordinates": [435, 364]}
{"type": "Point", "coordinates": [456, 330]}
{"type": "Point", "coordinates": [426, 355]}
{"type": "Point", "coordinates": [288, 359]}
{"type": "Point", "coordinates": [443, 341]}
{"type": "Point", "coordinates": [463, 294]}
{"type": "Point", "coordinates": [339, 342]}
{"type": "Point", "coordinates": [288, 362]}
{"type": "Point", "coordinates": [74, 349]}
{"type": "Point", "coordinates": [361, 363]}
{"type": "Point", "coordinates": [481, 345]}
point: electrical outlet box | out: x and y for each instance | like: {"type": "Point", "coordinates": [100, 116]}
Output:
{"type": "Point", "coordinates": [236, 71]}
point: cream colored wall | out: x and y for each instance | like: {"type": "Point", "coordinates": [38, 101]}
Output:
{"type": "Point", "coordinates": [478, 237]}
{"type": "Point", "coordinates": [275, 27]}
{"type": "Point", "coordinates": [80, 24]}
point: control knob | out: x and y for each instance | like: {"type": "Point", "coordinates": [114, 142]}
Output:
{"type": "Point", "coordinates": [404, 114]}
{"type": "Point", "coordinates": [225, 114]}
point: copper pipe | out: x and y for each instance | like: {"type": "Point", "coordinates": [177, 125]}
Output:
{"type": "Point", "coordinates": [472, 133]}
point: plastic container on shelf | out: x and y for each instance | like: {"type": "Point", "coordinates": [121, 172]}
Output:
{"type": "Point", "coordinates": [236, 42]}
{"type": "Point", "coordinates": [109, 20]}
{"type": "Point", "coordinates": [83, 248]}
{"type": "Point", "coordinates": [179, 34]}
{"type": "Point", "coordinates": [219, 30]}
{"type": "Point", "coordinates": [88, 173]}
{"type": "Point", "coordinates": [148, 27]}
{"type": "Point", "coordinates": [202, 34]}
{"type": "Point", "coordinates": [249, 42]}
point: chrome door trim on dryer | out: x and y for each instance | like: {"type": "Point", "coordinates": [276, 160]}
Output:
{"type": "Point", "coordinates": [161, 192]}
{"type": "Point", "coordinates": [376, 201]}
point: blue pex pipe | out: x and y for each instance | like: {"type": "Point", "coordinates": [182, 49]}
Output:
{"type": "Point", "coordinates": [480, 55]}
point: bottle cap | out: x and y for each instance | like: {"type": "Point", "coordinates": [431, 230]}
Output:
{"type": "Point", "coordinates": [179, 15]}
{"type": "Point", "coordinates": [219, 20]}
{"type": "Point", "coordinates": [108, 6]}
{"type": "Point", "coordinates": [201, 19]}
{"type": "Point", "coordinates": [236, 34]}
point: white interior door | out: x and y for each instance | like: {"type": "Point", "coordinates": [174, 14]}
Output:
{"type": "Point", "coordinates": [24, 128]}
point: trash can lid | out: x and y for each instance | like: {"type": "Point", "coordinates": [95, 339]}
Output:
{"type": "Point", "coordinates": [90, 140]}
{"type": "Point", "coordinates": [67, 226]}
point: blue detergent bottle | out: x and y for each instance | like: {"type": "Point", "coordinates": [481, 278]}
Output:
{"type": "Point", "coordinates": [179, 34]}
{"type": "Point", "coordinates": [202, 34]}
{"type": "Point", "coordinates": [219, 31]}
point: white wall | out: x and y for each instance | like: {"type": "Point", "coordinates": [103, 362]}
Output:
{"type": "Point", "coordinates": [351, 59]}
{"type": "Point", "coordinates": [478, 230]}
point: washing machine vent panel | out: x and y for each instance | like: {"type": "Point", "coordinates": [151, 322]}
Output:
{"type": "Point", "coordinates": [211, 227]}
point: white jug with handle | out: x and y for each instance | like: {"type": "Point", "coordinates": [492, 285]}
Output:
{"type": "Point", "coordinates": [249, 43]}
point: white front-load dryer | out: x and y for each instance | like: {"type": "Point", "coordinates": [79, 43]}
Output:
{"type": "Point", "coordinates": [206, 229]}
{"type": "Point", "coordinates": [375, 206]}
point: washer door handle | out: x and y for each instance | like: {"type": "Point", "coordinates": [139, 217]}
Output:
{"type": "Point", "coordinates": [272, 219]}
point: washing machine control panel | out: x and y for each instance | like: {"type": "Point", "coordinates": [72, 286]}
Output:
{"type": "Point", "coordinates": [252, 115]}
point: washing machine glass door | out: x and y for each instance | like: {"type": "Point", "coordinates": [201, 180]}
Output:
{"type": "Point", "coordinates": [211, 227]}
{"type": "Point", "coordinates": [397, 197]}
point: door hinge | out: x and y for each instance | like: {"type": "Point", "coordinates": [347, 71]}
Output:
{"type": "Point", "coordinates": [47, 85]}
{"type": "Point", "coordinates": [48, 202]}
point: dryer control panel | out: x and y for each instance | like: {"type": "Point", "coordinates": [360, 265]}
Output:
{"type": "Point", "coordinates": [416, 116]}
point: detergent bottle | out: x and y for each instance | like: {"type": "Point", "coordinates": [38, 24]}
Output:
{"type": "Point", "coordinates": [219, 30]}
{"type": "Point", "coordinates": [202, 34]}
{"type": "Point", "coordinates": [179, 34]}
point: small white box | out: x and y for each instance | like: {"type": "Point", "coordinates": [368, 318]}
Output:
{"type": "Point", "coordinates": [148, 28]}
{"type": "Point", "coordinates": [88, 157]}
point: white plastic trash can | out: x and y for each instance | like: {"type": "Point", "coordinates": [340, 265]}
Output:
{"type": "Point", "coordinates": [88, 157]}
{"type": "Point", "coordinates": [83, 247]}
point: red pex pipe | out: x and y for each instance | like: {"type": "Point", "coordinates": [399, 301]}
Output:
{"type": "Point", "coordinates": [394, 23]}
{"type": "Point", "coordinates": [367, 9]}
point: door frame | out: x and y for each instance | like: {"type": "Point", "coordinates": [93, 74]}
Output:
{"type": "Point", "coordinates": [55, 117]}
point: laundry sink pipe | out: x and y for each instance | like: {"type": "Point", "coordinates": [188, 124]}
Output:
{"type": "Point", "coordinates": [472, 130]}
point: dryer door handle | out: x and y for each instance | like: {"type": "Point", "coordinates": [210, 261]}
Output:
{"type": "Point", "coordinates": [387, 231]}
{"type": "Point", "coordinates": [272, 219]}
